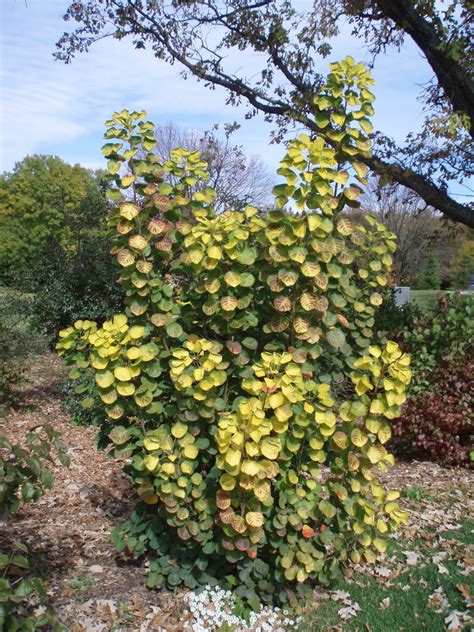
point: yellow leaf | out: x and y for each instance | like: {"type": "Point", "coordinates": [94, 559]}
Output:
{"type": "Point", "coordinates": [214, 252]}
{"type": "Point", "coordinates": [328, 418]}
{"type": "Point", "coordinates": [271, 447]}
{"type": "Point", "coordinates": [375, 454]}
{"type": "Point", "coordinates": [314, 221]}
{"type": "Point", "coordinates": [276, 399]}
{"type": "Point", "coordinates": [358, 438]}
{"type": "Point", "coordinates": [151, 462]}
{"type": "Point", "coordinates": [116, 412]}
{"type": "Point", "coordinates": [104, 380]}
{"type": "Point", "coordinates": [377, 407]}
{"type": "Point", "coordinates": [184, 380]}
{"type": "Point", "coordinates": [123, 373]}
{"type": "Point", "coordinates": [136, 332]}
{"type": "Point", "coordinates": [372, 424]}
{"type": "Point", "coordinates": [227, 482]}
{"type": "Point", "coordinates": [340, 439]}
{"type": "Point", "coordinates": [129, 210]}
{"type": "Point", "coordinates": [251, 468]}
{"type": "Point", "coordinates": [108, 397]}
{"type": "Point", "coordinates": [283, 412]}
{"type": "Point", "coordinates": [380, 544]}
{"type": "Point", "coordinates": [179, 429]}
{"type": "Point", "coordinates": [232, 458]}
{"type": "Point", "coordinates": [133, 353]}
{"type": "Point", "coordinates": [125, 389]}
{"type": "Point", "coordinates": [384, 433]}
{"type": "Point", "coordinates": [151, 444]}
{"type": "Point", "coordinates": [190, 451]}
{"type": "Point", "coordinates": [254, 519]}
{"type": "Point", "coordinates": [370, 556]}
{"type": "Point", "coordinates": [168, 468]}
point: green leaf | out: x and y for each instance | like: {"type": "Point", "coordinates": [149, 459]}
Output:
{"type": "Point", "coordinates": [119, 435]}
{"type": "Point", "coordinates": [327, 509]}
{"type": "Point", "coordinates": [21, 561]}
{"type": "Point", "coordinates": [4, 560]}
{"type": "Point", "coordinates": [336, 338]}
{"type": "Point", "coordinates": [174, 330]}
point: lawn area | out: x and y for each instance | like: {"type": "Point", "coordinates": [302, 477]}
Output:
{"type": "Point", "coordinates": [422, 584]}
{"type": "Point", "coordinates": [426, 299]}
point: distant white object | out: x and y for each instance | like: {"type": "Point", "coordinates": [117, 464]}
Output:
{"type": "Point", "coordinates": [402, 295]}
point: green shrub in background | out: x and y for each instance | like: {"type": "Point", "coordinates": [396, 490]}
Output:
{"type": "Point", "coordinates": [45, 199]}
{"type": "Point", "coordinates": [439, 338]}
{"type": "Point", "coordinates": [392, 321]}
{"type": "Point", "coordinates": [242, 381]}
{"type": "Point", "coordinates": [55, 246]}
{"type": "Point", "coordinates": [12, 368]}
{"type": "Point", "coordinates": [74, 285]}
{"type": "Point", "coordinates": [429, 279]}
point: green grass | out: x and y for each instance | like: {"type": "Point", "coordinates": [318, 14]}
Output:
{"type": "Point", "coordinates": [408, 591]}
{"type": "Point", "coordinates": [426, 299]}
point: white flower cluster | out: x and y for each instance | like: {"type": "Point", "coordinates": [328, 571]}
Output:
{"type": "Point", "coordinates": [212, 607]}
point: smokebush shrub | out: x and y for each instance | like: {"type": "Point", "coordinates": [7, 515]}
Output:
{"type": "Point", "coordinates": [242, 384]}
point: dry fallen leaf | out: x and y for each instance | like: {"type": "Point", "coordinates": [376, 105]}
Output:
{"type": "Point", "coordinates": [465, 591]}
{"type": "Point", "coordinates": [438, 600]}
{"type": "Point", "coordinates": [349, 611]}
{"type": "Point", "coordinates": [457, 621]}
{"type": "Point", "coordinates": [412, 557]}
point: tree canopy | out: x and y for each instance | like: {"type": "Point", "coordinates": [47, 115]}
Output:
{"type": "Point", "coordinates": [204, 37]}
{"type": "Point", "coordinates": [45, 200]}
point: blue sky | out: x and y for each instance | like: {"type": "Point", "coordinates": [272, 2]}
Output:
{"type": "Point", "coordinates": [49, 107]}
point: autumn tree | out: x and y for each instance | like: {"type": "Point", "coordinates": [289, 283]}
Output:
{"type": "Point", "coordinates": [290, 39]}
{"type": "Point", "coordinates": [419, 229]}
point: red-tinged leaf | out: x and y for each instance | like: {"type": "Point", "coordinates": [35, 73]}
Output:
{"type": "Point", "coordinates": [157, 226]}
{"type": "Point", "coordinates": [234, 346]}
{"type": "Point", "coordinates": [161, 202]}
{"type": "Point", "coordinates": [165, 244]}
{"type": "Point", "coordinates": [282, 303]}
